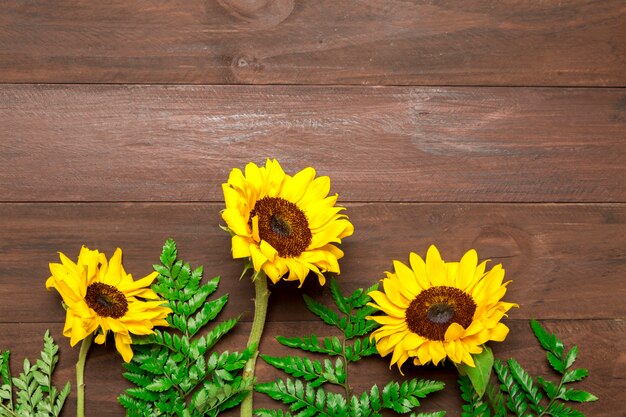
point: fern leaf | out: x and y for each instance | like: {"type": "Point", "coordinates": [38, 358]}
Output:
{"type": "Point", "coordinates": [295, 394]}
{"type": "Point", "coordinates": [264, 412]}
{"type": "Point", "coordinates": [525, 381]}
{"type": "Point", "coordinates": [330, 346]}
{"type": "Point", "coordinates": [342, 303]}
{"type": "Point", "coordinates": [322, 311]}
{"type": "Point", "coordinates": [516, 401]}
{"type": "Point", "coordinates": [548, 341]}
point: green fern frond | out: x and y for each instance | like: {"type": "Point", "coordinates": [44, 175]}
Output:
{"type": "Point", "coordinates": [306, 394]}
{"type": "Point", "coordinates": [173, 370]}
{"type": "Point", "coordinates": [34, 393]}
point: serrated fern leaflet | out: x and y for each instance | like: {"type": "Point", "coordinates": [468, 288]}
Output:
{"type": "Point", "coordinates": [175, 371]}
{"type": "Point", "coordinates": [306, 393]}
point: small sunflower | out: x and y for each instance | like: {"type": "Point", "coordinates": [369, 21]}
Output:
{"type": "Point", "coordinates": [438, 309]}
{"type": "Point", "coordinates": [285, 224]}
{"type": "Point", "coordinates": [100, 296]}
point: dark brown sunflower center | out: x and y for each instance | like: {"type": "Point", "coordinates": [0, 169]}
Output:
{"type": "Point", "coordinates": [283, 225]}
{"type": "Point", "coordinates": [435, 309]}
{"type": "Point", "coordinates": [106, 300]}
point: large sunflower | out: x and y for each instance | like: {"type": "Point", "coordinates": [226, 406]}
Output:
{"type": "Point", "coordinates": [438, 309]}
{"type": "Point", "coordinates": [100, 296]}
{"type": "Point", "coordinates": [285, 224]}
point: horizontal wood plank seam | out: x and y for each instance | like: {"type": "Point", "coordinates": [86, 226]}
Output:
{"type": "Point", "coordinates": [374, 86]}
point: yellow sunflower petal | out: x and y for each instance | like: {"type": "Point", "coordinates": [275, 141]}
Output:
{"type": "Point", "coordinates": [454, 332]}
{"type": "Point", "coordinates": [296, 186]}
{"type": "Point", "coordinates": [407, 279]}
{"type": "Point", "coordinates": [467, 268]}
{"type": "Point", "coordinates": [394, 293]}
{"type": "Point", "coordinates": [386, 319]}
{"type": "Point", "coordinates": [412, 341]}
{"type": "Point", "coordinates": [241, 247]}
{"type": "Point", "coordinates": [435, 267]}
{"type": "Point", "coordinates": [419, 269]}
{"type": "Point", "coordinates": [385, 304]}
{"type": "Point", "coordinates": [437, 352]}
{"type": "Point", "coordinates": [235, 221]}
{"type": "Point", "coordinates": [100, 338]}
{"type": "Point", "coordinates": [499, 332]}
{"type": "Point", "coordinates": [122, 343]}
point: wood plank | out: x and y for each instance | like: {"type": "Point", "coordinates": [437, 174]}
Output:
{"type": "Point", "coordinates": [471, 42]}
{"type": "Point", "coordinates": [142, 143]}
{"type": "Point", "coordinates": [597, 340]}
{"type": "Point", "coordinates": [566, 261]}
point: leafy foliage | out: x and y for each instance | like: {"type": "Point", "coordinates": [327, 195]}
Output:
{"type": "Point", "coordinates": [173, 370]}
{"type": "Point", "coordinates": [306, 395]}
{"type": "Point", "coordinates": [35, 396]}
{"type": "Point", "coordinates": [528, 397]}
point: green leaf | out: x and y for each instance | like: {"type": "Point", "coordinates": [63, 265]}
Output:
{"type": "Point", "coordinates": [295, 394]}
{"type": "Point", "coordinates": [548, 341]}
{"type": "Point", "coordinates": [313, 372]}
{"type": "Point", "coordinates": [570, 358]}
{"type": "Point", "coordinates": [342, 303]}
{"type": "Point", "coordinates": [575, 375]}
{"type": "Point", "coordinates": [555, 362]}
{"type": "Point", "coordinates": [479, 374]}
{"type": "Point", "coordinates": [525, 381]}
{"type": "Point", "coordinates": [551, 390]}
{"type": "Point", "coordinates": [579, 396]}
{"type": "Point", "coordinates": [516, 401]}
{"type": "Point", "coordinates": [320, 310]}
{"type": "Point", "coordinates": [264, 412]}
{"type": "Point", "coordinates": [313, 344]}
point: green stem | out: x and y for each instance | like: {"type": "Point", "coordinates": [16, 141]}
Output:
{"type": "Point", "coordinates": [80, 375]}
{"type": "Point", "coordinates": [262, 296]}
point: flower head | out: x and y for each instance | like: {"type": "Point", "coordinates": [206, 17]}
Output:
{"type": "Point", "coordinates": [101, 296]}
{"type": "Point", "coordinates": [285, 224]}
{"type": "Point", "coordinates": [436, 309]}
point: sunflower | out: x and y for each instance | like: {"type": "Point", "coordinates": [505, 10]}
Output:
{"type": "Point", "coordinates": [100, 296]}
{"type": "Point", "coordinates": [438, 309]}
{"type": "Point", "coordinates": [285, 224]}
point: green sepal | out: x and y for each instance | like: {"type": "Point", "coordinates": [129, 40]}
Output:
{"type": "Point", "coordinates": [478, 375]}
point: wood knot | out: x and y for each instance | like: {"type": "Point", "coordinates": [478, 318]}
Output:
{"type": "Point", "coordinates": [259, 12]}
{"type": "Point", "coordinates": [243, 66]}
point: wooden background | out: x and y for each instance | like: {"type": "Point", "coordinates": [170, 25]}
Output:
{"type": "Point", "coordinates": [495, 125]}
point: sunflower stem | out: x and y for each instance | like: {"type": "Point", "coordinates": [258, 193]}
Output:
{"type": "Point", "coordinates": [80, 375]}
{"type": "Point", "coordinates": [262, 295]}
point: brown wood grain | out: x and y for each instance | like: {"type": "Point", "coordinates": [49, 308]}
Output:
{"type": "Point", "coordinates": [156, 143]}
{"type": "Point", "coordinates": [378, 42]}
{"type": "Point", "coordinates": [598, 341]}
{"type": "Point", "coordinates": [566, 261]}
